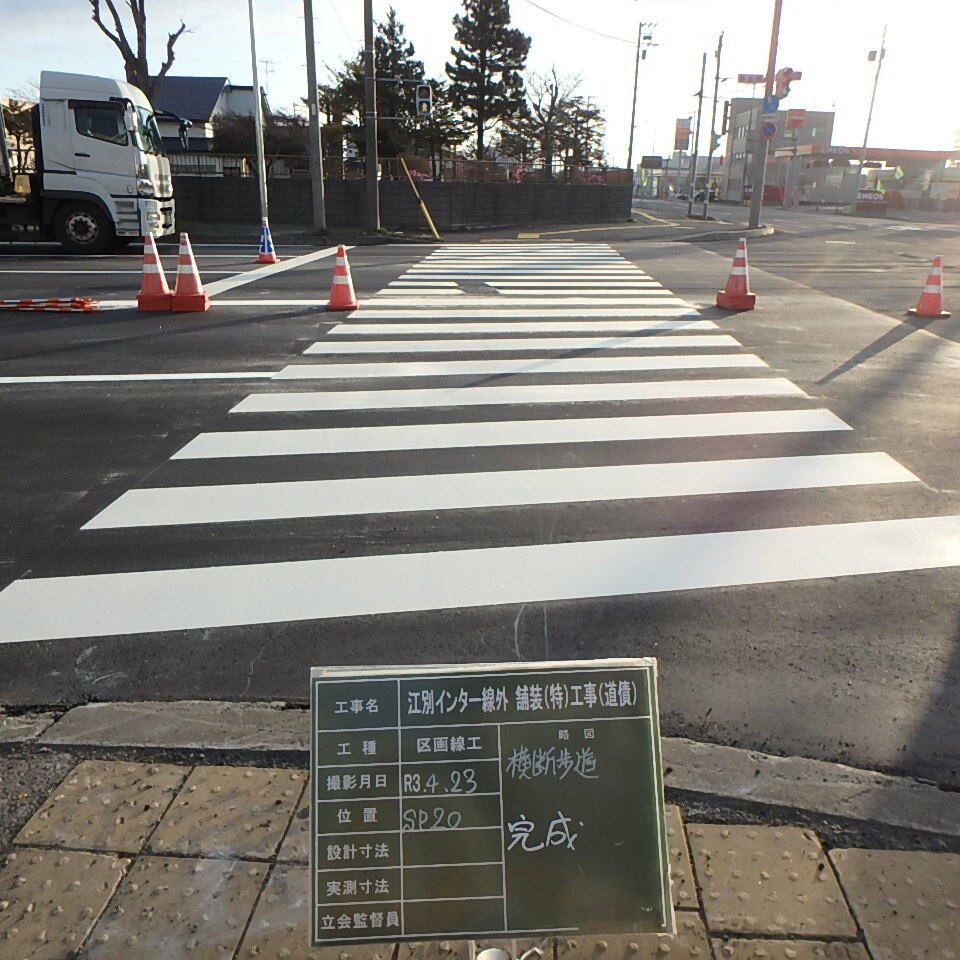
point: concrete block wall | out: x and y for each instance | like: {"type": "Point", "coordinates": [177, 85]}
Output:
{"type": "Point", "coordinates": [235, 200]}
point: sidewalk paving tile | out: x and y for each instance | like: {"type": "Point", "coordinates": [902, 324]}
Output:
{"type": "Point", "coordinates": [280, 927]}
{"type": "Point", "coordinates": [689, 943]}
{"type": "Point", "coordinates": [788, 950]}
{"type": "Point", "coordinates": [908, 902]}
{"type": "Point", "coordinates": [767, 880]}
{"type": "Point", "coordinates": [681, 873]}
{"type": "Point", "coordinates": [177, 907]}
{"type": "Point", "coordinates": [296, 844]}
{"type": "Point", "coordinates": [21, 728]}
{"type": "Point", "coordinates": [230, 812]}
{"type": "Point", "coordinates": [102, 805]}
{"type": "Point", "coordinates": [50, 900]}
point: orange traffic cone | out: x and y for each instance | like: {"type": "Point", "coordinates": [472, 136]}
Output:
{"type": "Point", "coordinates": [154, 293]}
{"type": "Point", "coordinates": [267, 253]}
{"type": "Point", "coordinates": [736, 294]}
{"type": "Point", "coordinates": [342, 296]}
{"type": "Point", "coordinates": [188, 295]}
{"type": "Point", "coordinates": [931, 300]}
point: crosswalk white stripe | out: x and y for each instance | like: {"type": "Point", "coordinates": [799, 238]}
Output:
{"type": "Point", "coordinates": [505, 433]}
{"type": "Point", "coordinates": [453, 313]}
{"type": "Point", "coordinates": [427, 283]}
{"type": "Point", "coordinates": [511, 345]}
{"type": "Point", "coordinates": [626, 299]}
{"type": "Point", "coordinates": [525, 393]}
{"type": "Point", "coordinates": [525, 366]}
{"type": "Point", "coordinates": [587, 290]}
{"type": "Point", "coordinates": [247, 502]}
{"type": "Point", "coordinates": [372, 329]}
{"type": "Point", "coordinates": [538, 275]}
{"type": "Point", "coordinates": [417, 292]}
{"type": "Point", "coordinates": [207, 597]}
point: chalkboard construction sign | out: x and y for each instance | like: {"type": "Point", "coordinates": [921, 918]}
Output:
{"type": "Point", "coordinates": [511, 799]}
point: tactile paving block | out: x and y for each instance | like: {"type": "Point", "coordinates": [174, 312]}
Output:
{"type": "Point", "coordinates": [690, 941]}
{"type": "Point", "coordinates": [105, 806]}
{"type": "Point", "coordinates": [768, 880]}
{"type": "Point", "coordinates": [171, 908]}
{"type": "Point", "coordinates": [908, 902]}
{"type": "Point", "coordinates": [230, 812]}
{"type": "Point", "coordinates": [296, 844]}
{"type": "Point", "coordinates": [681, 873]}
{"type": "Point", "coordinates": [788, 950]}
{"type": "Point", "coordinates": [280, 928]}
{"type": "Point", "coordinates": [50, 900]}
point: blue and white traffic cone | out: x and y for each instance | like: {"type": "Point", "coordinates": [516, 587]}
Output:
{"type": "Point", "coordinates": [267, 253]}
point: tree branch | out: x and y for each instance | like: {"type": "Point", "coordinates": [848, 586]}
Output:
{"type": "Point", "coordinates": [172, 38]}
{"type": "Point", "coordinates": [120, 38]}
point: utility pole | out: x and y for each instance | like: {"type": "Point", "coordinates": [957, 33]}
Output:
{"type": "Point", "coordinates": [258, 118]}
{"type": "Point", "coordinates": [866, 132]}
{"type": "Point", "coordinates": [758, 176]}
{"type": "Point", "coordinates": [695, 156]}
{"type": "Point", "coordinates": [370, 119]}
{"type": "Point", "coordinates": [633, 109]}
{"type": "Point", "coordinates": [713, 126]}
{"type": "Point", "coordinates": [313, 116]}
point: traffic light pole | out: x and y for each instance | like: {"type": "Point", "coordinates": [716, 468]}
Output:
{"type": "Point", "coordinates": [372, 211]}
{"type": "Point", "coordinates": [633, 109]}
{"type": "Point", "coordinates": [758, 177]}
{"type": "Point", "coordinates": [866, 132]}
{"type": "Point", "coordinates": [713, 127]}
{"type": "Point", "coordinates": [313, 114]}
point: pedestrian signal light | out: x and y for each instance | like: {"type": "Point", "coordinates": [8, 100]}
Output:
{"type": "Point", "coordinates": [424, 99]}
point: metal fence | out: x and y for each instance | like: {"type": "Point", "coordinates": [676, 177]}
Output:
{"type": "Point", "coordinates": [454, 169]}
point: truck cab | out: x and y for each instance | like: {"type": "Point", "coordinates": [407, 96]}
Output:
{"type": "Point", "coordinates": [101, 173]}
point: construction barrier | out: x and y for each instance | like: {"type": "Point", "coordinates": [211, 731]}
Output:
{"type": "Point", "coordinates": [188, 295]}
{"type": "Point", "coordinates": [54, 305]}
{"type": "Point", "coordinates": [267, 252]}
{"type": "Point", "coordinates": [154, 292]}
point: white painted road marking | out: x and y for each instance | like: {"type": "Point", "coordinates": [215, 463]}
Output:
{"type": "Point", "coordinates": [454, 313]}
{"type": "Point", "coordinates": [113, 604]}
{"type": "Point", "coordinates": [504, 433]}
{"type": "Point", "coordinates": [122, 377]}
{"type": "Point", "coordinates": [372, 329]}
{"type": "Point", "coordinates": [651, 298]}
{"type": "Point", "coordinates": [540, 344]}
{"type": "Point", "coordinates": [526, 393]}
{"type": "Point", "coordinates": [248, 502]}
{"type": "Point", "coordinates": [218, 286]}
{"type": "Point", "coordinates": [526, 366]}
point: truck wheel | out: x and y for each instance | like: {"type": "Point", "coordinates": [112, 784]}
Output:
{"type": "Point", "coordinates": [83, 228]}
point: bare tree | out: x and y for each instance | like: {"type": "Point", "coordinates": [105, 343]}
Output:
{"type": "Point", "coordinates": [135, 54]}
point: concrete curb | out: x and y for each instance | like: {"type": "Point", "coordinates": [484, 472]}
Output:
{"type": "Point", "coordinates": [766, 231]}
{"type": "Point", "coordinates": [830, 789]}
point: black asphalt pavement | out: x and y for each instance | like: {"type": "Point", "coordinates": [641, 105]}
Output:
{"type": "Point", "coordinates": [827, 636]}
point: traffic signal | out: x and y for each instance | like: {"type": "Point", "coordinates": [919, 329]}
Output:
{"type": "Point", "coordinates": [715, 145]}
{"type": "Point", "coordinates": [782, 80]}
{"type": "Point", "coordinates": [424, 99]}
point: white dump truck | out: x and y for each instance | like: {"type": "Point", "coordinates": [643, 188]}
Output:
{"type": "Point", "coordinates": [100, 173]}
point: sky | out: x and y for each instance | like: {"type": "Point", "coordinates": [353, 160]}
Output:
{"type": "Point", "coordinates": [827, 39]}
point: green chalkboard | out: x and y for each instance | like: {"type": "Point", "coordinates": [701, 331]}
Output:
{"type": "Point", "coordinates": [506, 800]}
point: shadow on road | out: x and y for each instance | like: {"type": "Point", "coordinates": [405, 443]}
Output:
{"type": "Point", "coordinates": [882, 343]}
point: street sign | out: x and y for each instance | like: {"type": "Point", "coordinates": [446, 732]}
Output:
{"type": "Point", "coordinates": [768, 129]}
{"type": "Point", "coordinates": [681, 136]}
{"type": "Point", "coordinates": [517, 799]}
{"type": "Point", "coordinates": [651, 163]}
{"type": "Point", "coordinates": [770, 104]}
{"type": "Point", "coordinates": [796, 118]}
{"type": "Point", "coordinates": [751, 78]}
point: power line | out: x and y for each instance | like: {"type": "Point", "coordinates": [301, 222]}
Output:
{"type": "Point", "coordinates": [579, 26]}
{"type": "Point", "coordinates": [333, 3]}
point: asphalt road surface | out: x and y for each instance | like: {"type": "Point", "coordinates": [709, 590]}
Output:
{"type": "Point", "coordinates": [514, 450]}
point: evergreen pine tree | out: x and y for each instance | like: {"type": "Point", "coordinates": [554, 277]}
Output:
{"type": "Point", "coordinates": [485, 72]}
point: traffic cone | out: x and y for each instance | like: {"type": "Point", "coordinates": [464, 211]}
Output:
{"type": "Point", "coordinates": [188, 295]}
{"type": "Point", "coordinates": [736, 294]}
{"type": "Point", "coordinates": [154, 293]}
{"type": "Point", "coordinates": [342, 296]}
{"type": "Point", "coordinates": [931, 300]}
{"type": "Point", "coordinates": [267, 253]}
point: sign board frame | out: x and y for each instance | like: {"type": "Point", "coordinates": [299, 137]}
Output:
{"type": "Point", "coordinates": [651, 163]}
{"type": "Point", "coordinates": [551, 812]}
{"type": "Point", "coordinates": [752, 79]}
{"type": "Point", "coordinates": [796, 118]}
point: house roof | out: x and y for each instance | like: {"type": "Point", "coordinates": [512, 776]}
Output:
{"type": "Point", "coordinates": [193, 98]}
